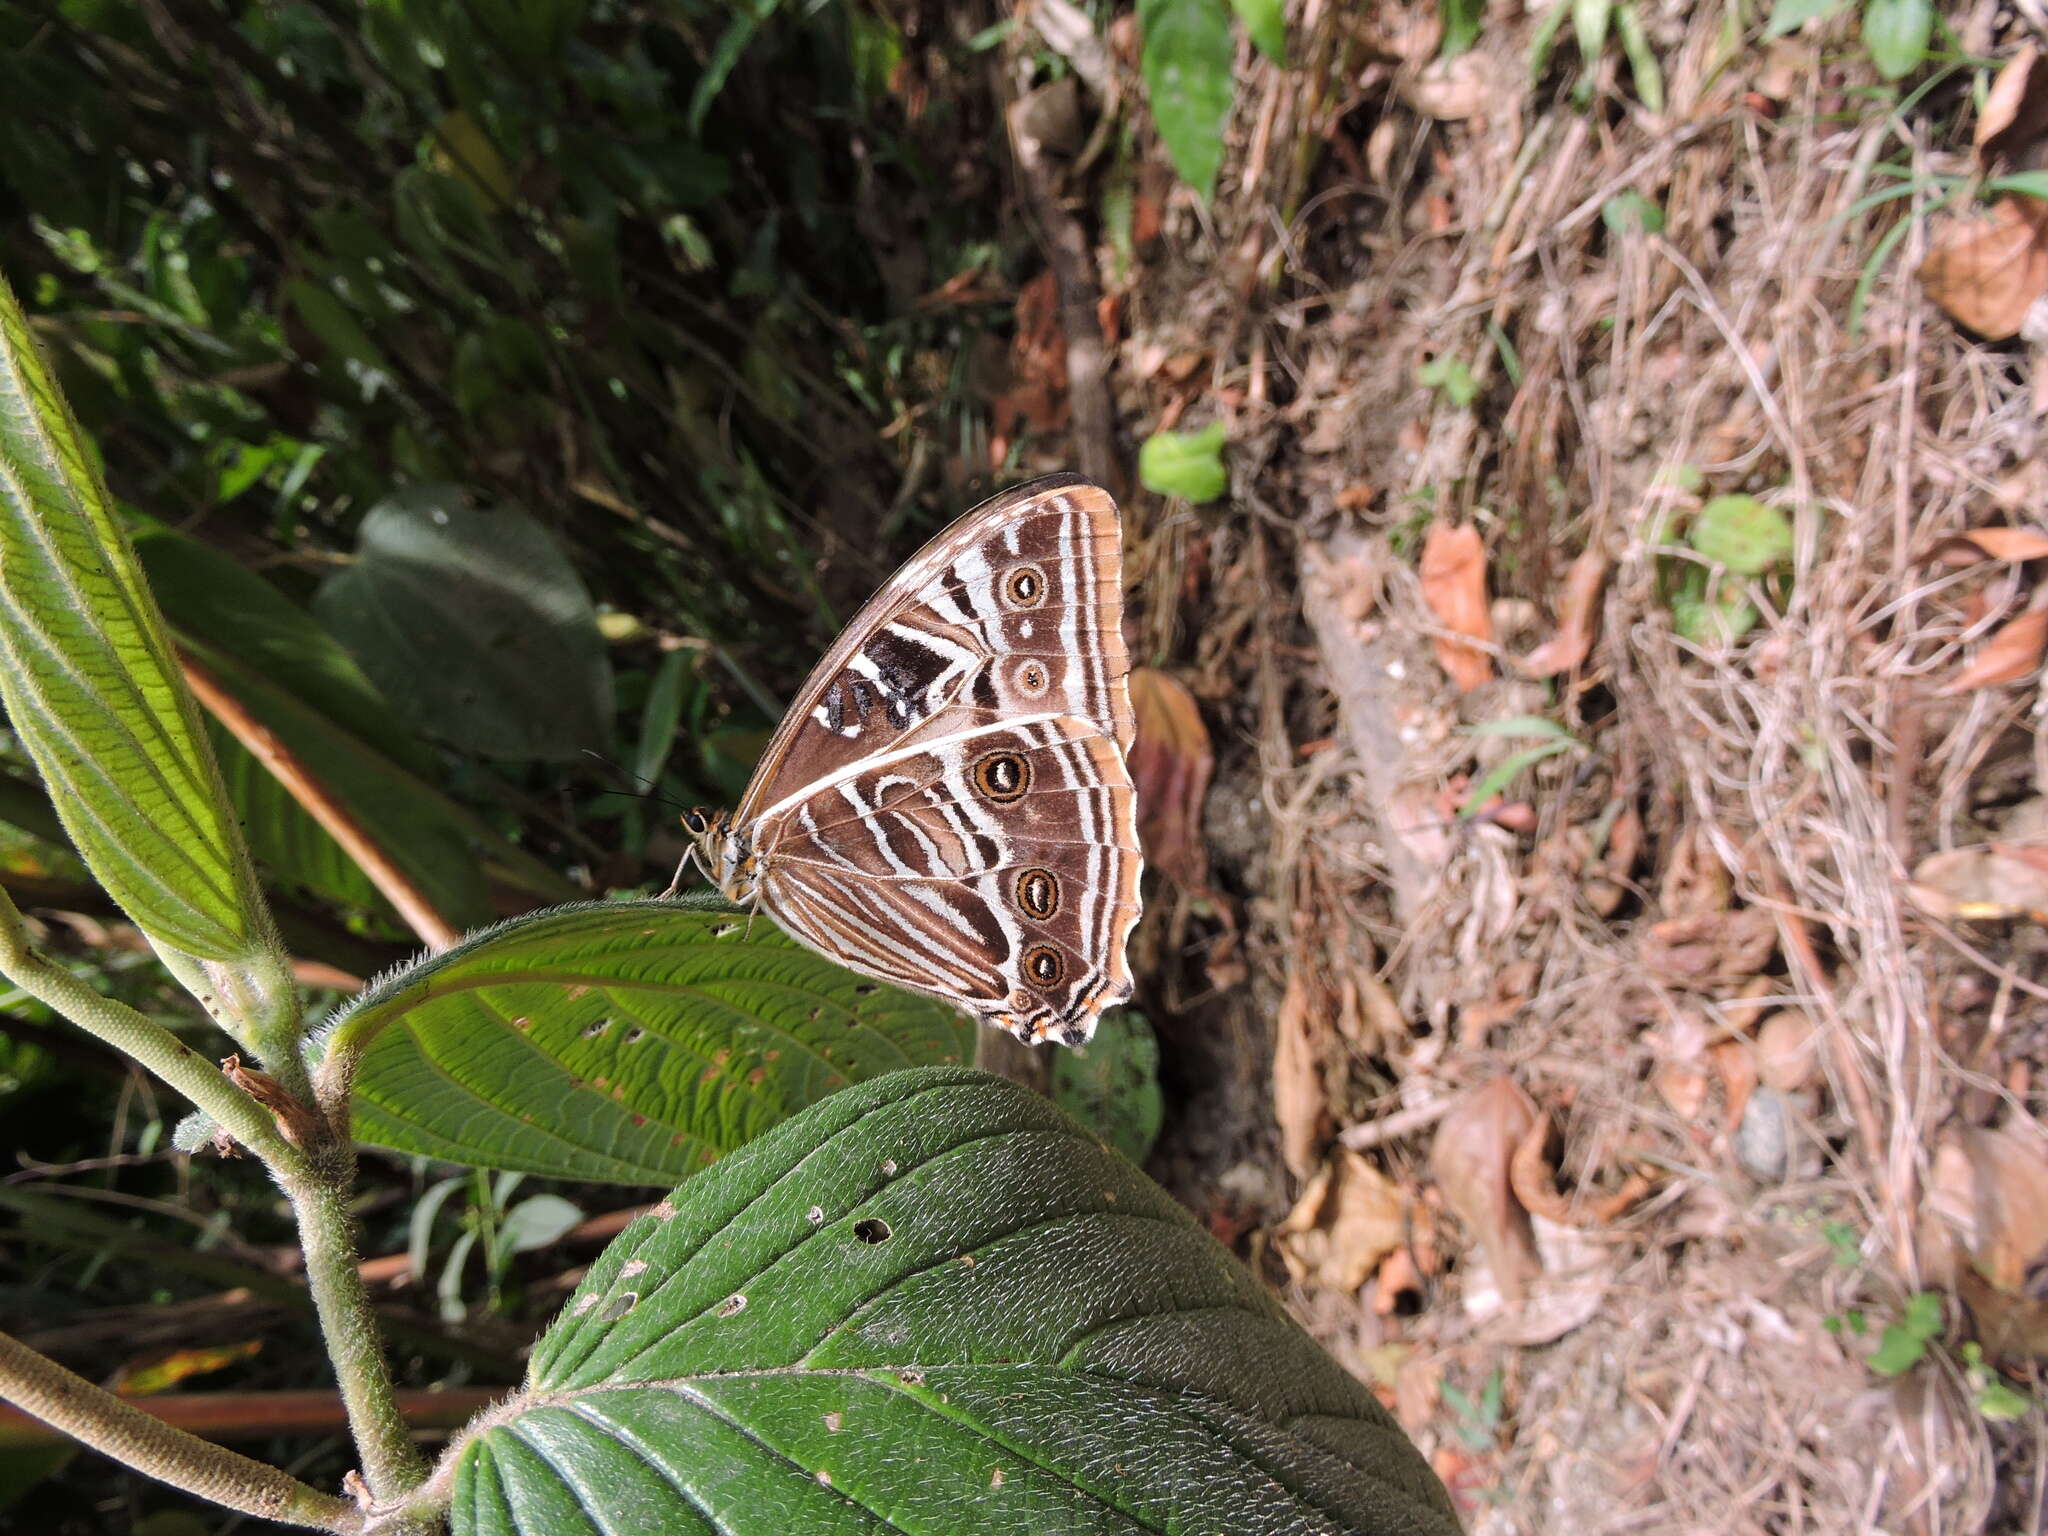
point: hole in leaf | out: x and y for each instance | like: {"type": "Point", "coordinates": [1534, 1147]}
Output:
{"type": "Point", "coordinates": [815, 1215]}
{"type": "Point", "coordinates": [723, 929]}
{"type": "Point", "coordinates": [591, 1032]}
{"type": "Point", "coordinates": [619, 1306]}
{"type": "Point", "coordinates": [733, 1305]}
{"type": "Point", "coordinates": [635, 1036]}
{"type": "Point", "coordinates": [871, 1229]}
{"type": "Point", "coordinates": [888, 1167]}
{"type": "Point", "coordinates": [866, 989]}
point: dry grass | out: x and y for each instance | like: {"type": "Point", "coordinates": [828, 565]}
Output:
{"type": "Point", "coordinates": [1805, 770]}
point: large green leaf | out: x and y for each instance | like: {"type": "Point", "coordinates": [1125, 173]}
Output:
{"type": "Point", "coordinates": [626, 1041]}
{"type": "Point", "coordinates": [932, 1304]}
{"type": "Point", "coordinates": [474, 625]}
{"type": "Point", "coordinates": [1187, 61]}
{"type": "Point", "coordinates": [93, 690]}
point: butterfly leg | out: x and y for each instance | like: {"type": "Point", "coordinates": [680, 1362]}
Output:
{"type": "Point", "coordinates": [675, 884]}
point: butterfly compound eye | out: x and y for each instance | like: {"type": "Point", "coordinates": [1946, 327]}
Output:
{"type": "Point", "coordinates": [696, 821]}
{"type": "Point", "coordinates": [1024, 586]}
{"type": "Point", "coordinates": [1002, 776]}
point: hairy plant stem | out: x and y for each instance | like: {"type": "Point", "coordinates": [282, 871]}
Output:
{"type": "Point", "coordinates": [119, 1429]}
{"type": "Point", "coordinates": [145, 1041]}
{"type": "Point", "coordinates": [392, 1464]}
{"type": "Point", "coordinates": [316, 1179]}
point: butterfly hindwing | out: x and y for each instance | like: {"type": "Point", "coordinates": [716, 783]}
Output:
{"type": "Point", "coordinates": [996, 866]}
{"type": "Point", "coordinates": [1014, 610]}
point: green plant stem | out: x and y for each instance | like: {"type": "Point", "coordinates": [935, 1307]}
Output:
{"type": "Point", "coordinates": [145, 1041]}
{"type": "Point", "coordinates": [119, 1429]}
{"type": "Point", "coordinates": [392, 1464]}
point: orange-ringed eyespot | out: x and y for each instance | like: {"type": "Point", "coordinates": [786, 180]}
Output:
{"type": "Point", "coordinates": [1024, 586]}
{"type": "Point", "coordinates": [1044, 965]}
{"type": "Point", "coordinates": [1002, 776]}
{"type": "Point", "coordinates": [1038, 892]}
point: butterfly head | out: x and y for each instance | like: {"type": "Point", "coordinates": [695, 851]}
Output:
{"type": "Point", "coordinates": [725, 854]}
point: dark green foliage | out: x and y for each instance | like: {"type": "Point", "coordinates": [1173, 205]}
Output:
{"type": "Point", "coordinates": [927, 1296]}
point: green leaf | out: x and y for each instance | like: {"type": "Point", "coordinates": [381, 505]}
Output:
{"type": "Point", "coordinates": [1185, 464]}
{"type": "Point", "coordinates": [747, 18]}
{"type": "Point", "coordinates": [474, 625]}
{"type": "Point", "coordinates": [931, 1304]}
{"type": "Point", "coordinates": [1449, 374]}
{"type": "Point", "coordinates": [661, 715]}
{"type": "Point", "coordinates": [1642, 59]}
{"type": "Point", "coordinates": [535, 1222]}
{"type": "Point", "coordinates": [1904, 1343]}
{"type": "Point", "coordinates": [1461, 19]}
{"type": "Point", "coordinates": [340, 332]}
{"type": "Point", "coordinates": [629, 1041]}
{"type": "Point", "coordinates": [1589, 26]}
{"type": "Point", "coordinates": [93, 690]}
{"type": "Point", "coordinates": [1265, 23]}
{"type": "Point", "coordinates": [1717, 619]}
{"type": "Point", "coordinates": [1743, 534]}
{"type": "Point", "coordinates": [2000, 1401]}
{"type": "Point", "coordinates": [1187, 61]}
{"type": "Point", "coordinates": [1544, 38]}
{"type": "Point", "coordinates": [1897, 33]}
{"type": "Point", "coordinates": [1505, 772]}
{"type": "Point", "coordinates": [2024, 183]}
{"type": "Point", "coordinates": [1791, 15]}
{"type": "Point", "coordinates": [1111, 1084]}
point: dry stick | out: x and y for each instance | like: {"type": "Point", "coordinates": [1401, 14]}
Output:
{"type": "Point", "coordinates": [393, 883]}
{"type": "Point", "coordinates": [119, 1429]}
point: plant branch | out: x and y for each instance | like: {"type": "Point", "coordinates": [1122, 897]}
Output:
{"type": "Point", "coordinates": [137, 1439]}
{"type": "Point", "coordinates": [144, 1040]}
{"type": "Point", "coordinates": [392, 1464]}
{"type": "Point", "coordinates": [392, 882]}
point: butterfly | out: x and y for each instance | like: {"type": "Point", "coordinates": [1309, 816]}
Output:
{"type": "Point", "coordinates": [947, 805]}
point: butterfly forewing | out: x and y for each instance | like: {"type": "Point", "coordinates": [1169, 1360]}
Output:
{"type": "Point", "coordinates": [1014, 610]}
{"type": "Point", "coordinates": [996, 866]}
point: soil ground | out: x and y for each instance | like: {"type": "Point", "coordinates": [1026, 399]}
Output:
{"type": "Point", "coordinates": [1608, 1123]}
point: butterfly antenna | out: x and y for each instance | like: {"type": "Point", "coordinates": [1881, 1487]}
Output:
{"type": "Point", "coordinates": [651, 792]}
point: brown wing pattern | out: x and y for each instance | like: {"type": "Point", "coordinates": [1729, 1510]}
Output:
{"type": "Point", "coordinates": [996, 866]}
{"type": "Point", "coordinates": [1014, 610]}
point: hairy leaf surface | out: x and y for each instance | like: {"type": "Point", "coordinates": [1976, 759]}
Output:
{"type": "Point", "coordinates": [626, 1041]}
{"type": "Point", "coordinates": [92, 687]}
{"type": "Point", "coordinates": [932, 1304]}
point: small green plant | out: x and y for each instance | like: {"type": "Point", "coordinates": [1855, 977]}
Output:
{"type": "Point", "coordinates": [1476, 1421]}
{"type": "Point", "coordinates": [1903, 1344]}
{"type": "Point", "coordinates": [1592, 21]}
{"type": "Point", "coordinates": [1450, 375]}
{"type": "Point", "coordinates": [1990, 1393]}
{"type": "Point", "coordinates": [1736, 540]}
{"type": "Point", "coordinates": [490, 1222]}
{"type": "Point", "coordinates": [1185, 464]}
{"type": "Point", "coordinates": [1845, 1244]}
{"type": "Point", "coordinates": [1550, 739]}
{"type": "Point", "coordinates": [1896, 33]}
{"type": "Point", "coordinates": [1188, 61]}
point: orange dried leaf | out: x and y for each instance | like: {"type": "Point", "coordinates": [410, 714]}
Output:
{"type": "Point", "coordinates": [1991, 1189]}
{"type": "Point", "coordinates": [1454, 587]}
{"type": "Point", "coordinates": [1299, 1103]}
{"type": "Point", "coordinates": [1979, 885]}
{"type": "Point", "coordinates": [2016, 108]}
{"type": "Point", "coordinates": [1171, 761]}
{"type": "Point", "coordinates": [2014, 544]}
{"type": "Point", "coordinates": [1573, 641]}
{"type": "Point", "coordinates": [1787, 1050]}
{"type": "Point", "coordinates": [1472, 1158]}
{"type": "Point", "coordinates": [1345, 1223]}
{"type": "Point", "coordinates": [1986, 271]}
{"type": "Point", "coordinates": [2011, 655]}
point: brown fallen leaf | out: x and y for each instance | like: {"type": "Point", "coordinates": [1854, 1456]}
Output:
{"type": "Point", "coordinates": [1348, 1219]}
{"type": "Point", "coordinates": [1990, 1188]}
{"type": "Point", "coordinates": [1534, 1182]}
{"type": "Point", "coordinates": [2014, 544]}
{"type": "Point", "coordinates": [1472, 1158]}
{"type": "Point", "coordinates": [1735, 1063]}
{"type": "Point", "coordinates": [1979, 885]}
{"type": "Point", "coordinates": [1683, 1087]}
{"type": "Point", "coordinates": [1171, 761]}
{"type": "Point", "coordinates": [1987, 270]}
{"type": "Point", "coordinates": [1709, 949]}
{"type": "Point", "coordinates": [1787, 1050]}
{"type": "Point", "coordinates": [1454, 587]}
{"type": "Point", "coordinates": [1573, 641]}
{"type": "Point", "coordinates": [2016, 108]}
{"type": "Point", "coordinates": [2011, 655]}
{"type": "Point", "coordinates": [2011, 1328]}
{"type": "Point", "coordinates": [1299, 1103]}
